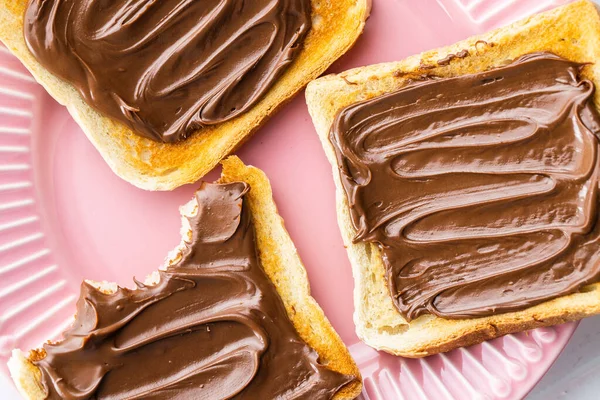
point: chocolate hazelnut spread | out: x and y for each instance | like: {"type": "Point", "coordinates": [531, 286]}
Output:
{"type": "Point", "coordinates": [448, 59]}
{"type": "Point", "coordinates": [166, 68]}
{"type": "Point", "coordinates": [214, 327]}
{"type": "Point", "coordinates": [480, 190]}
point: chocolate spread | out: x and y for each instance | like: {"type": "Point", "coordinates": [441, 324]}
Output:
{"type": "Point", "coordinates": [480, 190]}
{"type": "Point", "coordinates": [166, 68]}
{"type": "Point", "coordinates": [214, 327]}
{"type": "Point", "coordinates": [448, 59]}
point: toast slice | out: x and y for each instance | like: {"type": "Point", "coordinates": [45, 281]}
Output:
{"type": "Point", "coordinates": [572, 32]}
{"type": "Point", "coordinates": [281, 263]}
{"type": "Point", "coordinates": [152, 165]}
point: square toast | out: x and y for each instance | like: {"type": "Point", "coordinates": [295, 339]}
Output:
{"type": "Point", "coordinates": [152, 165]}
{"type": "Point", "coordinates": [572, 32]}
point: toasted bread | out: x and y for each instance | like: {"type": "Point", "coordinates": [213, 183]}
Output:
{"type": "Point", "coordinates": [572, 32]}
{"type": "Point", "coordinates": [153, 165]}
{"type": "Point", "coordinates": [281, 263]}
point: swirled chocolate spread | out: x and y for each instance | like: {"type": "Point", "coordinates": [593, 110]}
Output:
{"type": "Point", "coordinates": [481, 190]}
{"type": "Point", "coordinates": [167, 68]}
{"type": "Point", "coordinates": [214, 327]}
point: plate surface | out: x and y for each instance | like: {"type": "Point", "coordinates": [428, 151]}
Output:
{"type": "Point", "coordinates": [64, 216]}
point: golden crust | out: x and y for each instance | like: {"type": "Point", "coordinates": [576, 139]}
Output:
{"type": "Point", "coordinates": [572, 32]}
{"type": "Point", "coordinates": [282, 265]}
{"type": "Point", "coordinates": [158, 166]}
{"type": "Point", "coordinates": [26, 376]}
{"type": "Point", "coordinates": [281, 262]}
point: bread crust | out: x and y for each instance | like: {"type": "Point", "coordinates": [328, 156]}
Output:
{"type": "Point", "coordinates": [282, 265]}
{"type": "Point", "coordinates": [152, 165]}
{"type": "Point", "coordinates": [572, 32]}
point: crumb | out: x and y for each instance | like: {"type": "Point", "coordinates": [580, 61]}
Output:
{"type": "Point", "coordinates": [347, 81]}
{"type": "Point", "coordinates": [423, 65]}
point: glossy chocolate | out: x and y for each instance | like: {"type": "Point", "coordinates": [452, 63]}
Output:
{"type": "Point", "coordinates": [480, 190]}
{"type": "Point", "coordinates": [167, 68]}
{"type": "Point", "coordinates": [214, 327]}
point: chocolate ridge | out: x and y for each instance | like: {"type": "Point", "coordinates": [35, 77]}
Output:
{"type": "Point", "coordinates": [480, 190]}
{"type": "Point", "coordinates": [213, 326]}
{"type": "Point", "coordinates": [168, 68]}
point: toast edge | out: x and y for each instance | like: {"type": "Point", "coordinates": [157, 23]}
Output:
{"type": "Point", "coordinates": [578, 21]}
{"type": "Point", "coordinates": [283, 267]}
{"type": "Point", "coordinates": [155, 166]}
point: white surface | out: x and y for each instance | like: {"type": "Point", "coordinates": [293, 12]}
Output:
{"type": "Point", "coordinates": [7, 390]}
{"type": "Point", "coordinates": [576, 373]}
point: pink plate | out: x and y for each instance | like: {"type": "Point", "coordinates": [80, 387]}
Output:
{"type": "Point", "coordinates": [64, 216]}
